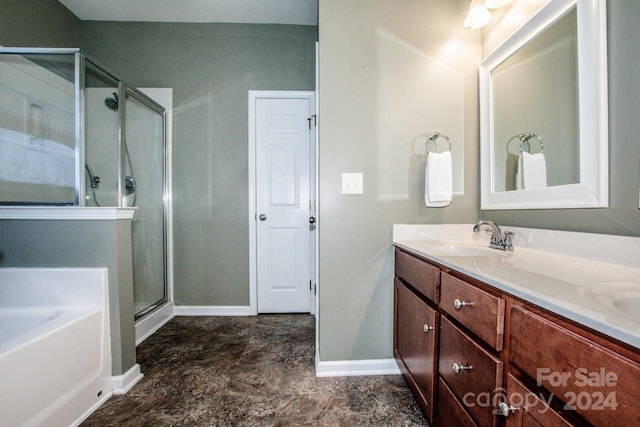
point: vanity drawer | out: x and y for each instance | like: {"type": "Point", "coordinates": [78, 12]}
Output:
{"type": "Point", "coordinates": [530, 409]}
{"type": "Point", "coordinates": [450, 411]}
{"type": "Point", "coordinates": [470, 371]}
{"type": "Point", "coordinates": [602, 386]}
{"type": "Point", "coordinates": [424, 277]}
{"type": "Point", "coordinates": [479, 311]}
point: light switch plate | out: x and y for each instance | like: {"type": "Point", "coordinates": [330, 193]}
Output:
{"type": "Point", "coordinates": [352, 183]}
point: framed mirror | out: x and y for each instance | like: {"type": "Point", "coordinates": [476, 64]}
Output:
{"type": "Point", "coordinates": [544, 112]}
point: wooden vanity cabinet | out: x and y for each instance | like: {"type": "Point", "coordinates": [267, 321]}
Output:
{"type": "Point", "coordinates": [510, 351]}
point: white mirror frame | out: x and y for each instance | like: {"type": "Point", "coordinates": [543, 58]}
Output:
{"type": "Point", "coordinates": [593, 189]}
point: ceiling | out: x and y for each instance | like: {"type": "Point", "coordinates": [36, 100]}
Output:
{"type": "Point", "coordinates": [297, 12]}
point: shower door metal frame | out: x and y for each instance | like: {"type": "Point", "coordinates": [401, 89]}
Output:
{"type": "Point", "coordinates": [124, 91]}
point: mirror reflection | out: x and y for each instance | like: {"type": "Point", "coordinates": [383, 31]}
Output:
{"type": "Point", "coordinates": [535, 111]}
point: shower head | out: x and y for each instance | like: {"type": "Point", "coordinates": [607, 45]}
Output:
{"type": "Point", "coordinates": [112, 103]}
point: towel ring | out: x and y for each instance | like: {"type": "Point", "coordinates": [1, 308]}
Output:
{"type": "Point", "coordinates": [524, 139]}
{"type": "Point", "coordinates": [433, 138]}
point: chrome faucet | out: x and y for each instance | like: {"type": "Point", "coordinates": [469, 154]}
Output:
{"type": "Point", "coordinates": [499, 240]}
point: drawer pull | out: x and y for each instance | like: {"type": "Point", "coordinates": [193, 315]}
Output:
{"type": "Point", "coordinates": [457, 304]}
{"type": "Point", "coordinates": [427, 328]}
{"type": "Point", "coordinates": [460, 368]}
{"type": "Point", "coordinates": [505, 410]}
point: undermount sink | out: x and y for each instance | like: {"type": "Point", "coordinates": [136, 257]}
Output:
{"type": "Point", "coordinates": [629, 306]}
{"type": "Point", "coordinates": [623, 297]}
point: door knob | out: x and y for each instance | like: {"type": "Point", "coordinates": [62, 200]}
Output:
{"type": "Point", "coordinates": [460, 368]}
{"type": "Point", "coordinates": [457, 304]}
{"type": "Point", "coordinates": [262, 217]}
{"type": "Point", "coordinates": [505, 410]}
{"type": "Point", "coordinates": [312, 220]}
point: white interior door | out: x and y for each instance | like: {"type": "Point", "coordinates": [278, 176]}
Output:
{"type": "Point", "coordinates": [283, 205]}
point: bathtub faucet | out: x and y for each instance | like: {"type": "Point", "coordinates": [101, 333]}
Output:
{"type": "Point", "coordinates": [499, 240]}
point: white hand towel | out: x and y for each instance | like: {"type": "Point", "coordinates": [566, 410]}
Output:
{"type": "Point", "coordinates": [534, 170]}
{"type": "Point", "coordinates": [438, 183]}
{"type": "Point", "coordinates": [519, 183]}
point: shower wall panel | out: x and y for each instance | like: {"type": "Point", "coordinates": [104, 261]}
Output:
{"type": "Point", "coordinates": [101, 147]}
{"type": "Point", "coordinates": [37, 130]}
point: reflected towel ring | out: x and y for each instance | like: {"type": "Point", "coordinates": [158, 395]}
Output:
{"type": "Point", "coordinates": [433, 138]}
{"type": "Point", "coordinates": [524, 139]}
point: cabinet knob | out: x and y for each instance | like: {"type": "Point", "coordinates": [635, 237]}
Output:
{"type": "Point", "coordinates": [505, 410]}
{"type": "Point", "coordinates": [427, 328]}
{"type": "Point", "coordinates": [458, 369]}
{"type": "Point", "coordinates": [457, 304]}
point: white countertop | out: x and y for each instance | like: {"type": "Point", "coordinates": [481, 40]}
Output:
{"type": "Point", "coordinates": [593, 279]}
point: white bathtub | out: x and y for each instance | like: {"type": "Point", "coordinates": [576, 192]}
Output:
{"type": "Point", "coordinates": [55, 353]}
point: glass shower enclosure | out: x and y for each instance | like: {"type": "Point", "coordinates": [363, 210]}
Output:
{"type": "Point", "coordinates": [73, 133]}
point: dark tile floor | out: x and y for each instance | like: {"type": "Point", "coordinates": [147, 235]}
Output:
{"type": "Point", "coordinates": [250, 371]}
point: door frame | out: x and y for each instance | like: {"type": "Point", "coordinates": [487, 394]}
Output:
{"type": "Point", "coordinates": [254, 95]}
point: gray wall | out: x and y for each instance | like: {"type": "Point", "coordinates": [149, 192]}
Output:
{"type": "Point", "coordinates": [367, 49]}
{"type": "Point", "coordinates": [623, 216]}
{"type": "Point", "coordinates": [38, 23]}
{"type": "Point", "coordinates": [211, 68]}
{"type": "Point", "coordinates": [62, 243]}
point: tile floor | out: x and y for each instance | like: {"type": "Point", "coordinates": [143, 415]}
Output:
{"type": "Point", "coordinates": [250, 371]}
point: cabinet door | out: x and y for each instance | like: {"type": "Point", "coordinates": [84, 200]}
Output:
{"type": "Point", "coordinates": [415, 338]}
{"type": "Point", "coordinates": [528, 408]}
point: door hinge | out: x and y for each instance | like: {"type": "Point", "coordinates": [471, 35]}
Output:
{"type": "Point", "coordinates": [315, 120]}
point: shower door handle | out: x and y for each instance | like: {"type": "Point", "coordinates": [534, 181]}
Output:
{"type": "Point", "coordinates": [262, 217]}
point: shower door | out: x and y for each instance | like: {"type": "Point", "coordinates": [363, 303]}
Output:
{"type": "Point", "coordinates": [144, 187]}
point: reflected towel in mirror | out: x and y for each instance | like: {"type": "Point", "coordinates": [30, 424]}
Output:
{"type": "Point", "coordinates": [438, 185]}
{"type": "Point", "coordinates": [532, 171]}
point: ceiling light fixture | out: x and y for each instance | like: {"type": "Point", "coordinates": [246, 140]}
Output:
{"type": "Point", "coordinates": [478, 15]}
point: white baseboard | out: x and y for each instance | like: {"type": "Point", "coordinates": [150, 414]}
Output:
{"type": "Point", "coordinates": [123, 383]}
{"type": "Point", "coordinates": [211, 310]}
{"type": "Point", "coordinates": [347, 368]}
{"type": "Point", "coordinates": [152, 322]}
